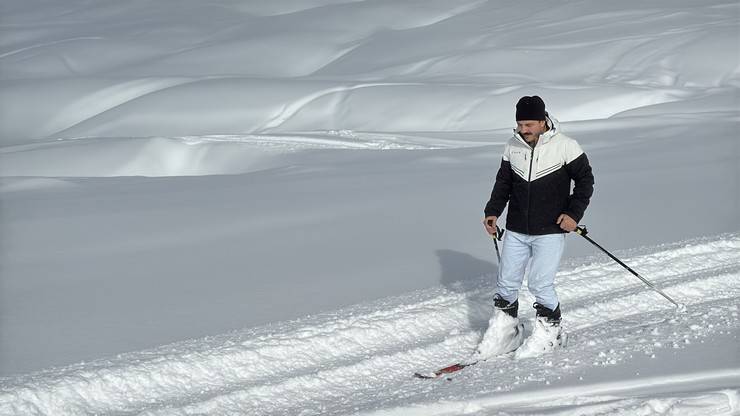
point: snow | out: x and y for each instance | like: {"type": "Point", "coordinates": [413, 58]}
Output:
{"type": "Point", "coordinates": [274, 207]}
{"type": "Point", "coordinates": [364, 355]}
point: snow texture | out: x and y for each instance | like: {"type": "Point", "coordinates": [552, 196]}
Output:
{"type": "Point", "coordinates": [273, 208]}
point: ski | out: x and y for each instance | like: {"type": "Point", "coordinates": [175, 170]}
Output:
{"type": "Point", "coordinates": [442, 371]}
{"type": "Point", "coordinates": [562, 342]}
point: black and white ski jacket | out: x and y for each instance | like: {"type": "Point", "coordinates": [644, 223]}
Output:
{"type": "Point", "coordinates": [536, 182]}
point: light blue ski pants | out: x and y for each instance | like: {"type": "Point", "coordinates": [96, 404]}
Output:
{"type": "Point", "coordinates": [545, 252]}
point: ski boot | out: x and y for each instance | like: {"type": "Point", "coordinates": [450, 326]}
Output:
{"type": "Point", "coordinates": [547, 335]}
{"type": "Point", "coordinates": [505, 332]}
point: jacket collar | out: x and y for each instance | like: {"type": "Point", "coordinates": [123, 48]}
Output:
{"type": "Point", "coordinates": [545, 137]}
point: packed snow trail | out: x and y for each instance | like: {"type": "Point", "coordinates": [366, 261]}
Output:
{"type": "Point", "coordinates": [361, 359]}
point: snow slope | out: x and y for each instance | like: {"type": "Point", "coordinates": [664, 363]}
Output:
{"type": "Point", "coordinates": [362, 358]}
{"type": "Point", "coordinates": [274, 207]}
{"type": "Point", "coordinates": [188, 68]}
{"type": "Point", "coordinates": [132, 263]}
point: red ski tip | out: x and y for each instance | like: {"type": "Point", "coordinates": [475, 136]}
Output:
{"type": "Point", "coordinates": [447, 370]}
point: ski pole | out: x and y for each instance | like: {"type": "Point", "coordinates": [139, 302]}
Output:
{"type": "Point", "coordinates": [582, 232]}
{"type": "Point", "coordinates": [499, 235]}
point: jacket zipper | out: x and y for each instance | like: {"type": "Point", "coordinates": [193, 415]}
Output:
{"type": "Point", "coordinates": [529, 188]}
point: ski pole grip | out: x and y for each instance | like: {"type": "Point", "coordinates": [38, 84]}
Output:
{"type": "Point", "coordinates": [582, 231]}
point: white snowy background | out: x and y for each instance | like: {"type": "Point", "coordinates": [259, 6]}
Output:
{"type": "Point", "coordinates": [273, 207]}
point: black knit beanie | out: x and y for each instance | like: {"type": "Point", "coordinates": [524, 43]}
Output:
{"type": "Point", "coordinates": [530, 108]}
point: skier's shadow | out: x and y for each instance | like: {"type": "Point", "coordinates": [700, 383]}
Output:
{"type": "Point", "coordinates": [463, 273]}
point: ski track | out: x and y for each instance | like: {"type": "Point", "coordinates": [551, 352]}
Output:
{"type": "Point", "coordinates": [360, 358]}
{"type": "Point", "coordinates": [602, 399]}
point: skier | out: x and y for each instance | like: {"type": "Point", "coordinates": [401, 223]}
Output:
{"type": "Point", "coordinates": [539, 163]}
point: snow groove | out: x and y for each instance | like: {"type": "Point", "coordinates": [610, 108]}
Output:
{"type": "Point", "coordinates": [287, 111]}
{"type": "Point", "coordinates": [721, 402]}
{"type": "Point", "coordinates": [183, 372]}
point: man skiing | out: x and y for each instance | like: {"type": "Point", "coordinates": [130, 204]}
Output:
{"type": "Point", "coordinates": [539, 163]}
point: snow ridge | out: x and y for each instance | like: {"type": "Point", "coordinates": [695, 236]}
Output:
{"type": "Point", "coordinates": [373, 65]}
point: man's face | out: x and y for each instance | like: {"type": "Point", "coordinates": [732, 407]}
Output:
{"type": "Point", "coordinates": [530, 129]}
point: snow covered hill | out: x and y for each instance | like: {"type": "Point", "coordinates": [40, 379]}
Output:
{"type": "Point", "coordinates": [273, 207]}
{"type": "Point", "coordinates": [176, 68]}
